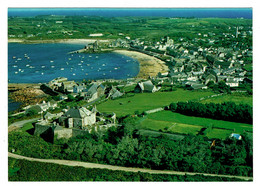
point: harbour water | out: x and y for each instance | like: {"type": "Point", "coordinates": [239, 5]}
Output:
{"type": "Point", "coordinates": [39, 63]}
{"type": "Point", "coordinates": [13, 105]}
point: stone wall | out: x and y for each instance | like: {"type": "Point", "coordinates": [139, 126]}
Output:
{"type": "Point", "coordinates": [154, 110]}
{"type": "Point", "coordinates": [63, 133]}
{"type": "Point", "coordinates": [78, 132]}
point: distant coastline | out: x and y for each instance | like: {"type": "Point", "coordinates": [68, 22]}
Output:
{"type": "Point", "coordinates": [121, 12]}
{"type": "Point", "coordinates": [69, 41]}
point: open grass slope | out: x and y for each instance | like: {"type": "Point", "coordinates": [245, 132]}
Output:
{"type": "Point", "coordinates": [238, 99]}
{"type": "Point", "coordinates": [169, 126]}
{"type": "Point", "coordinates": [248, 67]}
{"type": "Point", "coordinates": [174, 122]}
{"type": "Point", "coordinates": [147, 101]}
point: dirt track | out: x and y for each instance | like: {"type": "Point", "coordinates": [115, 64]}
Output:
{"type": "Point", "coordinates": [112, 167]}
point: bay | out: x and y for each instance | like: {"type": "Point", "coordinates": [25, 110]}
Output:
{"type": "Point", "coordinates": [40, 63]}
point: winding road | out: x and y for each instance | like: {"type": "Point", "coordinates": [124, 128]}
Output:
{"type": "Point", "coordinates": [20, 124]}
{"type": "Point", "coordinates": [23, 122]}
{"type": "Point", "coordinates": [112, 167]}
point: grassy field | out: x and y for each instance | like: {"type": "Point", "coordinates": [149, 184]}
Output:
{"type": "Point", "coordinates": [219, 133]}
{"type": "Point", "coordinates": [169, 126]}
{"type": "Point", "coordinates": [178, 123]}
{"type": "Point", "coordinates": [128, 88]}
{"type": "Point", "coordinates": [147, 101]}
{"type": "Point", "coordinates": [236, 98]}
{"type": "Point", "coordinates": [27, 126]}
{"type": "Point", "coordinates": [248, 67]}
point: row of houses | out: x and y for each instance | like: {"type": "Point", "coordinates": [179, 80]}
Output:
{"type": "Point", "coordinates": [89, 92]}
{"type": "Point", "coordinates": [231, 79]}
{"type": "Point", "coordinates": [42, 107]}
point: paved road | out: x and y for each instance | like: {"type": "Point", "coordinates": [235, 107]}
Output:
{"type": "Point", "coordinates": [20, 124]}
{"type": "Point", "coordinates": [112, 167]}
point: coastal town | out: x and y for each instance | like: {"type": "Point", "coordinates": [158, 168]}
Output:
{"type": "Point", "coordinates": [207, 76]}
{"type": "Point", "coordinates": [193, 68]}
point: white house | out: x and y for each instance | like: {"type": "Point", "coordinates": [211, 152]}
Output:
{"type": "Point", "coordinates": [231, 82]}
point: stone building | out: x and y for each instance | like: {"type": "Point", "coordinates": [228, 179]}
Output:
{"type": "Point", "coordinates": [78, 118]}
{"type": "Point", "coordinates": [146, 86]}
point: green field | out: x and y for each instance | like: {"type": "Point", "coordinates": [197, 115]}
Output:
{"type": "Point", "coordinates": [147, 101]}
{"type": "Point", "coordinates": [177, 123]}
{"type": "Point", "coordinates": [27, 126]}
{"type": "Point", "coordinates": [169, 126]}
{"type": "Point", "coordinates": [238, 99]}
{"type": "Point", "coordinates": [219, 133]}
{"type": "Point", "coordinates": [248, 67]}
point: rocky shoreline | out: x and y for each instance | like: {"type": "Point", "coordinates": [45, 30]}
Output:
{"type": "Point", "coordinates": [26, 93]}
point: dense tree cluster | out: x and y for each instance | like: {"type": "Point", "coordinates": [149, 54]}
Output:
{"type": "Point", "coordinates": [29, 145]}
{"type": "Point", "coordinates": [210, 59]}
{"type": "Point", "coordinates": [227, 111]}
{"type": "Point", "coordinates": [219, 87]}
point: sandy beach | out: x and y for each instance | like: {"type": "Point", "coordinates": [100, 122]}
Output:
{"type": "Point", "coordinates": [149, 66]}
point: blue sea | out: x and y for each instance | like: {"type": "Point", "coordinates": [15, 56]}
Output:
{"type": "Point", "coordinates": [118, 12]}
{"type": "Point", "coordinates": [39, 63]}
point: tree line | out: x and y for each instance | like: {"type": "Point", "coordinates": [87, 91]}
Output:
{"type": "Point", "coordinates": [228, 111]}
